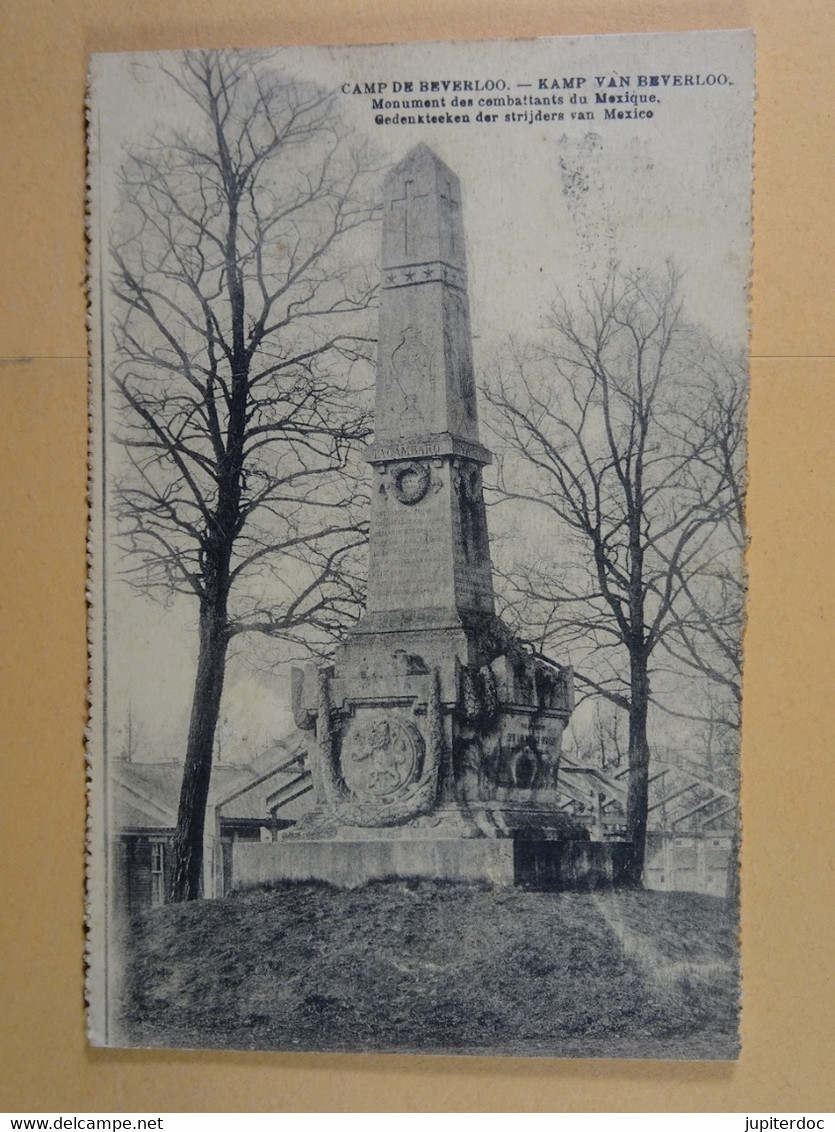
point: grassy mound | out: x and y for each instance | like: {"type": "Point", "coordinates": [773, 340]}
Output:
{"type": "Point", "coordinates": [430, 967]}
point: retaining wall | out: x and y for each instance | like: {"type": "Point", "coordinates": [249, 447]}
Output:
{"type": "Point", "coordinates": [349, 864]}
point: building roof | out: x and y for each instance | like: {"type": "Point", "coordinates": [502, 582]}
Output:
{"type": "Point", "coordinates": [146, 794]}
{"type": "Point", "coordinates": [679, 798]}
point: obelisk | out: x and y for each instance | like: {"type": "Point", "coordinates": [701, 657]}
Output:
{"type": "Point", "coordinates": [430, 578]}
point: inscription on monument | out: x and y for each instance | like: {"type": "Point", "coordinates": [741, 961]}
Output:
{"type": "Point", "coordinates": [403, 554]}
{"type": "Point", "coordinates": [442, 444]}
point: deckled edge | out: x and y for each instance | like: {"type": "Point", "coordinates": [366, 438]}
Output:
{"type": "Point", "coordinates": [736, 848]}
{"type": "Point", "coordinates": [96, 864]}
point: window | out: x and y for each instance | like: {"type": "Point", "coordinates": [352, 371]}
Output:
{"type": "Point", "coordinates": [157, 873]}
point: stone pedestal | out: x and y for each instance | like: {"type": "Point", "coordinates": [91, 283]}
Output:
{"type": "Point", "coordinates": [350, 864]}
{"type": "Point", "coordinates": [458, 749]}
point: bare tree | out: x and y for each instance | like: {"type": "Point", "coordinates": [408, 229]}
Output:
{"type": "Point", "coordinates": [241, 327]}
{"type": "Point", "coordinates": [599, 743]}
{"type": "Point", "coordinates": [608, 438]}
{"type": "Point", "coordinates": [704, 638]}
{"type": "Point", "coordinates": [131, 732]}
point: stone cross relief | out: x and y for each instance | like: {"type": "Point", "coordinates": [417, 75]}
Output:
{"type": "Point", "coordinates": [406, 204]}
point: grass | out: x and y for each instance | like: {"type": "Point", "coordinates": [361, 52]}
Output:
{"type": "Point", "coordinates": [433, 967]}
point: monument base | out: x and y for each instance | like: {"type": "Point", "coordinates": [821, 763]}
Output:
{"type": "Point", "coordinates": [351, 864]}
{"type": "Point", "coordinates": [545, 865]}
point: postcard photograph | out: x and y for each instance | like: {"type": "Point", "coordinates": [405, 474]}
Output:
{"type": "Point", "coordinates": [417, 432]}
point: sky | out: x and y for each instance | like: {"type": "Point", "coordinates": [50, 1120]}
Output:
{"type": "Point", "coordinates": [545, 203]}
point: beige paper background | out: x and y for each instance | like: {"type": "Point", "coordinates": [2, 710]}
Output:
{"type": "Point", "coordinates": [789, 779]}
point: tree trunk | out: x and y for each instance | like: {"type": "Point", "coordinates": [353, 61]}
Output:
{"type": "Point", "coordinates": [637, 799]}
{"type": "Point", "coordinates": [732, 885]}
{"type": "Point", "coordinates": [205, 709]}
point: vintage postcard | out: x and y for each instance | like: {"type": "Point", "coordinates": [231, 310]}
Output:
{"type": "Point", "coordinates": [418, 395]}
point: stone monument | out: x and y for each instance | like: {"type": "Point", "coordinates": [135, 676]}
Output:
{"type": "Point", "coordinates": [437, 734]}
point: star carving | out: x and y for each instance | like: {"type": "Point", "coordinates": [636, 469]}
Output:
{"type": "Point", "coordinates": [423, 273]}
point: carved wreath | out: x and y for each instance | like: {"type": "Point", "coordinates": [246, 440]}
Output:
{"type": "Point", "coordinates": [410, 482]}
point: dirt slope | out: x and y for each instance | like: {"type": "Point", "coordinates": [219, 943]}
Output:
{"type": "Point", "coordinates": [422, 966]}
